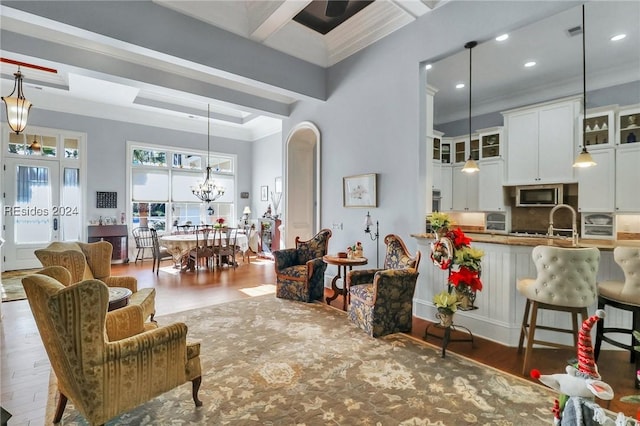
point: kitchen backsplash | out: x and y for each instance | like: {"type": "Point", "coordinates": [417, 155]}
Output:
{"type": "Point", "coordinates": [536, 219]}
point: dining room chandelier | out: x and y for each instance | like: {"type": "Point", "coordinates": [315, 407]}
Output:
{"type": "Point", "coordinates": [208, 191]}
{"type": "Point", "coordinates": [17, 106]}
{"type": "Point", "coordinates": [470, 166]}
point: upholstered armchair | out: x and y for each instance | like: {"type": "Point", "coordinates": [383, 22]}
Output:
{"type": "Point", "coordinates": [300, 270]}
{"type": "Point", "coordinates": [107, 376]}
{"type": "Point", "coordinates": [93, 260]}
{"type": "Point", "coordinates": [397, 256]}
{"type": "Point", "coordinates": [381, 300]}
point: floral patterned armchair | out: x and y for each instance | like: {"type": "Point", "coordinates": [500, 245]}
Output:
{"type": "Point", "coordinates": [107, 372]}
{"type": "Point", "coordinates": [300, 270]}
{"type": "Point", "coordinates": [93, 260]}
{"type": "Point", "coordinates": [382, 299]}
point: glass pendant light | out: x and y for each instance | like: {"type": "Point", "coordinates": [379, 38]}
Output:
{"type": "Point", "coordinates": [584, 159]}
{"type": "Point", "coordinates": [470, 166]}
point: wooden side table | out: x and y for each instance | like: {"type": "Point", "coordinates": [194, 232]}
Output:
{"type": "Point", "coordinates": [118, 297]}
{"type": "Point", "coordinates": [342, 263]}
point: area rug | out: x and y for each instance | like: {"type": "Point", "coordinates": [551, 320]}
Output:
{"type": "Point", "coordinates": [12, 284]}
{"type": "Point", "coordinates": [268, 361]}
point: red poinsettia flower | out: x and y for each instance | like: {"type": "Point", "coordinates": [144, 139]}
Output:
{"type": "Point", "coordinates": [459, 238]}
{"type": "Point", "coordinates": [220, 220]}
{"type": "Point", "coordinates": [466, 277]}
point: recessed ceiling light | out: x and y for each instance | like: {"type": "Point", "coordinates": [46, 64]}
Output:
{"type": "Point", "coordinates": [428, 67]}
{"type": "Point", "coordinates": [530, 64]}
{"type": "Point", "coordinates": [459, 85]}
{"type": "Point", "coordinates": [502, 37]}
{"type": "Point", "coordinates": [618, 37]}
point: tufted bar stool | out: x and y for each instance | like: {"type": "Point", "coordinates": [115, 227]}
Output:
{"type": "Point", "coordinates": [566, 282]}
{"type": "Point", "coordinates": [621, 295]}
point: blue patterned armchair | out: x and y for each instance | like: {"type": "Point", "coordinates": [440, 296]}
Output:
{"type": "Point", "coordinates": [382, 299]}
{"type": "Point", "coordinates": [300, 270]}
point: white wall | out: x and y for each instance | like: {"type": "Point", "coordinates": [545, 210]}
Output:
{"type": "Point", "coordinates": [372, 120]}
{"type": "Point", "coordinates": [266, 166]}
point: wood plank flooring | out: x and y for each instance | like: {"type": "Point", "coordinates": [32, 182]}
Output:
{"type": "Point", "coordinates": [24, 369]}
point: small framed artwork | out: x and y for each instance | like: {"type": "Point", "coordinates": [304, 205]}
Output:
{"type": "Point", "coordinates": [264, 193]}
{"type": "Point", "coordinates": [360, 190]}
{"type": "Point", "coordinates": [106, 200]}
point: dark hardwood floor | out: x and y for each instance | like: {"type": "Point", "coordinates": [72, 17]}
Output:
{"type": "Point", "coordinates": [23, 356]}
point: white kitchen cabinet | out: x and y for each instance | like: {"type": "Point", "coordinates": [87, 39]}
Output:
{"type": "Point", "coordinates": [596, 185]}
{"type": "Point", "coordinates": [627, 178]}
{"type": "Point", "coordinates": [462, 148]}
{"type": "Point", "coordinates": [541, 143]}
{"type": "Point", "coordinates": [437, 175]}
{"type": "Point", "coordinates": [446, 190]}
{"type": "Point", "coordinates": [465, 190]}
{"type": "Point", "coordinates": [490, 189]}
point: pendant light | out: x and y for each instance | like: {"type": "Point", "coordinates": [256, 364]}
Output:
{"type": "Point", "coordinates": [17, 107]}
{"type": "Point", "coordinates": [208, 191]}
{"type": "Point", "coordinates": [470, 166]}
{"type": "Point", "coordinates": [584, 159]}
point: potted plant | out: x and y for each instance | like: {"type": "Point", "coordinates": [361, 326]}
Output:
{"type": "Point", "coordinates": [446, 304]}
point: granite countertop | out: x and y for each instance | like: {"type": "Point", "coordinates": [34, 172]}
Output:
{"type": "Point", "coordinates": [536, 241]}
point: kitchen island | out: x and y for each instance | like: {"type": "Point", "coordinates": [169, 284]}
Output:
{"type": "Point", "coordinates": [500, 306]}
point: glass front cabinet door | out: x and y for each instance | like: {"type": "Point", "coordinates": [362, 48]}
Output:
{"type": "Point", "coordinates": [490, 143]}
{"type": "Point", "coordinates": [599, 128]}
{"type": "Point", "coordinates": [629, 119]}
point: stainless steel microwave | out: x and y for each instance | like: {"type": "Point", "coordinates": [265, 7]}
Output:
{"type": "Point", "coordinates": [538, 195]}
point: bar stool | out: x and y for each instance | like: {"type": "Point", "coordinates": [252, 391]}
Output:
{"type": "Point", "coordinates": [565, 282]}
{"type": "Point", "coordinates": [621, 295]}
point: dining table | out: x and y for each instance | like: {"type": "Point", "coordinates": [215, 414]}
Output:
{"type": "Point", "coordinates": [180, 245]}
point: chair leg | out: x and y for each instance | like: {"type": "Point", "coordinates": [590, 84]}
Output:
{"type": "Point", "coordinates": [599, 332]}
{"type": "Point", "coordinates": [523, 329]}
{"type": "Point", "coordinates": [195, 387]}
{"type": "Point", "coordinates": [530, 337]}
{"type": "Point", "coordinates": [62, 403]}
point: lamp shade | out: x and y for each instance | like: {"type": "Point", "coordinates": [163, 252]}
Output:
{"type": "Point", "coordinates": [246, 210]}
{"type": "Point", "coordinates": [470, 166]}
{"type": "Point", "coordinates": [17, 107]}
{"type": "Point", "coordinates": [584, 159]}
{"type": "Point", "coordinates": [367, 220]}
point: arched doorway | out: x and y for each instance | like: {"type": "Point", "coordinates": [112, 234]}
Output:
{"type": "Point", "coordinates": [302, 183]}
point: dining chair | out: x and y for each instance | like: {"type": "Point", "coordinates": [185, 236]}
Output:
{"type": "Point", "coordinates": [202, 250]}
{"type": "Point", "coordinates": [159, 253]}
{"type": "Point", "coordinates": [228, 247]}
{"type": "Point", "coordinates": [143, 239]}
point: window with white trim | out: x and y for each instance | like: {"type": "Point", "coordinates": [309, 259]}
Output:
{"type": "Point", "coordinates": [160, 187]}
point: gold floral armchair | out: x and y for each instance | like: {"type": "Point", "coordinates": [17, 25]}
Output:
{"type": "Point", "coordinates": [381, 300]}
{"type": "Point", "coordinates": [300, 270]}
{"type": "Point", "coordinates": [93, 260]}
{"type": "Point", "coordinates": [107, 372]}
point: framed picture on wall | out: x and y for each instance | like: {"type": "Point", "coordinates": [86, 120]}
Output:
{"type": "Point", "coordinates": [264, 193]}
{"type": "Point", "coordinates": [360, 191]}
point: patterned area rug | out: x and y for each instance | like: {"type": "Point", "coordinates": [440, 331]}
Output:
{"type": "Point", "coordinates": [267, 361]}
{"type": "Point", "coordinates": [12, 284]}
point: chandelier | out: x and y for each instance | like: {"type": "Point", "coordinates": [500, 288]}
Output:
{"type": "Point", "coordinates": [208, 191]}
{"type": "Point", "coordinates": [17, 106]}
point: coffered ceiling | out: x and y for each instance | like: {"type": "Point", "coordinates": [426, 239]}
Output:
{"type": "Point", "coordinates": [105, 75]}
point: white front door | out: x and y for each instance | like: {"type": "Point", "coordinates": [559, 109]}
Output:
{"type": "Point", "coordinates": [42, 199]}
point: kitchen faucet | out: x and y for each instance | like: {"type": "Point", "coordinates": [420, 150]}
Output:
{"type": "Point", "coordinates": [574, 228]}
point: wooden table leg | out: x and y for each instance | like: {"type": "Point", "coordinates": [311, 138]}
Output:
{"type": "Point", "coordinates": [334, 287]}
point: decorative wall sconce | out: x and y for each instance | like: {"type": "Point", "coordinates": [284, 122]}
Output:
{"type": "Point", "coordinates": [368, 223]}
